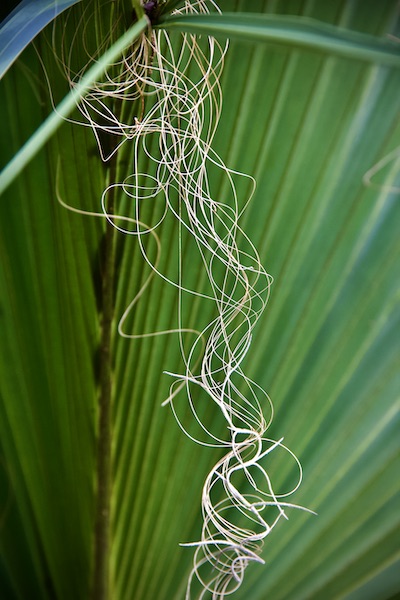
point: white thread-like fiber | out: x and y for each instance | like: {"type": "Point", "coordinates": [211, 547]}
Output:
{"type": "Point", "coordinates": [178, 89]}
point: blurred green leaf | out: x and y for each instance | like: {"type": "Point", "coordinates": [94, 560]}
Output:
{"type": "Point", "coordinates": [23, 24]}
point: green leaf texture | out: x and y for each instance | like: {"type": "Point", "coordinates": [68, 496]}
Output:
{"type": "Point", "coordinates": [310, 127]}
{"type": "Point", "coordinates": [301, 32]}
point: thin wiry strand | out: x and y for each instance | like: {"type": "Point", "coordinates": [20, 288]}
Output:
{"type": "Point", "coordinates": [175, 91]}
{"type": "Point", "coordinates": [389, 160]}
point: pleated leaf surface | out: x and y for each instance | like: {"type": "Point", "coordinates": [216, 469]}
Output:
{"type": "Point", "coordinates": [310, 127]}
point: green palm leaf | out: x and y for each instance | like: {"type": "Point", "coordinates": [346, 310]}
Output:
{"type": "Point", "coordinates": [320, 133]}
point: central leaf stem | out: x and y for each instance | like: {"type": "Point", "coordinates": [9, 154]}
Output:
{"type": "Point", "coordinates": [100, 586]}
